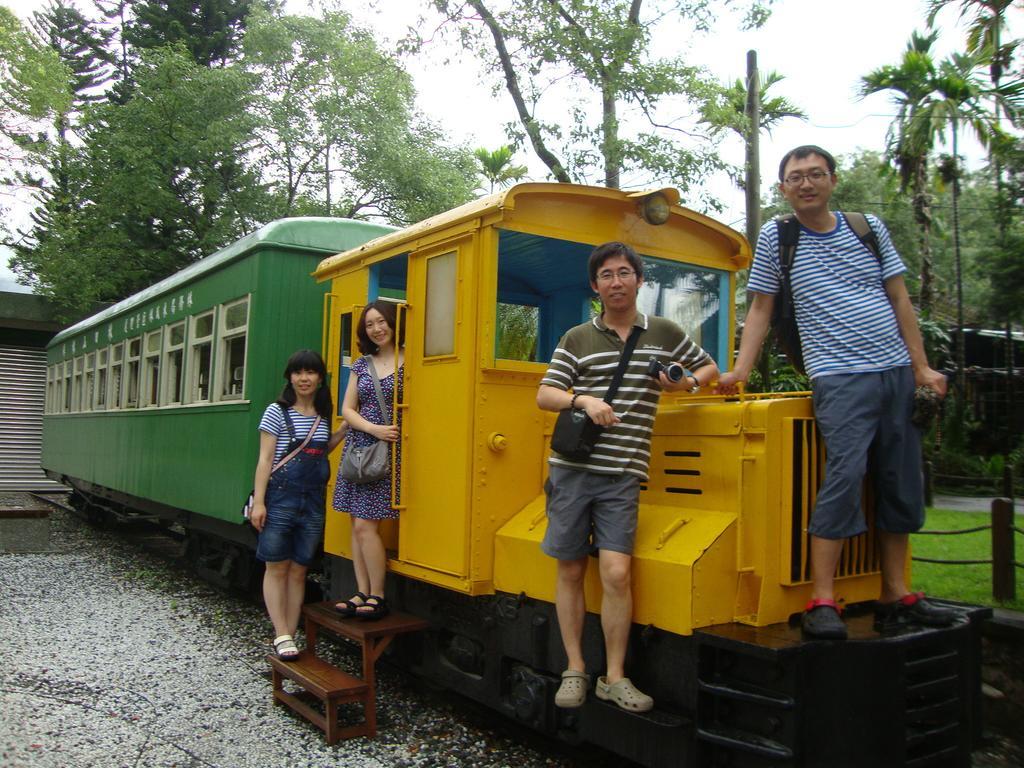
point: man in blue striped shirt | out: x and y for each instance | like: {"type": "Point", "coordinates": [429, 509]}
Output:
{"type": "Point", "coordinates": [863, 353]}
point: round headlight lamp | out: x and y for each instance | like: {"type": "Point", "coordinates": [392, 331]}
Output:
{"type": "Point", "coordinates": [655, 208]}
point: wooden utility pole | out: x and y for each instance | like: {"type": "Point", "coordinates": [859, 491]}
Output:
{"type": "Point", "coordinates": [753, 175]}
{"type": "Point", "coordinates": [753, 190]}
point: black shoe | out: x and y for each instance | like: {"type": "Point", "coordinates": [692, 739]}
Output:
{"type": "Point", "coordinates": [821, 620]}
{"type": "Point", "coordinates": [912, 609]}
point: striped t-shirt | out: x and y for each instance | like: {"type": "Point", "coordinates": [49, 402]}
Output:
{"type": "Point", "coordinates": [847, 323]}
{"type": "Point", "coordinates": [273, 423]}
{"type": "Point", "coordinates": [585, 361]}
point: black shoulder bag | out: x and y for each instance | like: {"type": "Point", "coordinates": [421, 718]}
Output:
{"type": "Point", "coordinates": [575, 435]}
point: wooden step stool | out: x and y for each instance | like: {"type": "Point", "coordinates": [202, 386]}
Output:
{"type": "Point", "coordinates": [329, 684]}
{"type": "Point", "coordinates": [372, 636]}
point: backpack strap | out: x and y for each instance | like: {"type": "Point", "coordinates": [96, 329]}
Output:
{"type": "Point", "coordinates": [862, 229]}
{"type": "Point", "coordinates": [789, 235]}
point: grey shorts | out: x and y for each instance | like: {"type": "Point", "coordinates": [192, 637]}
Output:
{"type": "Point", "coordinates": [589, 511]}
{"type": "Point", "coordinates": [864, 419]}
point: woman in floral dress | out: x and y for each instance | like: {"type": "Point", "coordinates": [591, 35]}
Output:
{"type": "Point", "coordinates": [369, 503]}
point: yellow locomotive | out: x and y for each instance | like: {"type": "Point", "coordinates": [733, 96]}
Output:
{"type": "Point", "coordinates": [721, 558]}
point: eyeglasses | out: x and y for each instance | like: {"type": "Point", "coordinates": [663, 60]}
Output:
{"type": "Point", "coordinates": [608, 275]}
{"type": "Point", "coordinates": [815, 177]}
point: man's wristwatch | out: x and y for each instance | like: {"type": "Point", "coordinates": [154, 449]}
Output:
{"type": "Point", "coordinates": [696, 384]}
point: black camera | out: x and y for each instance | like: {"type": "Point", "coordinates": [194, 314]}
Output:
{"type": "Point", "coordinates": [673, 371]}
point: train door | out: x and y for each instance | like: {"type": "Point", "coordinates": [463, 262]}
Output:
{"type": "Point", "coordinates": [434, 528]}
{"type": "Point", "coordinates": [350, 292]}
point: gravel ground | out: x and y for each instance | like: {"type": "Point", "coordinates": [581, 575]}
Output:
{"type": "Point", "coordinates": [113, 656]}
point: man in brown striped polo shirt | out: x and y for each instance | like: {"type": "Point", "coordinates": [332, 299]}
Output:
{"type": "Point", "coordinates": [592, 504]}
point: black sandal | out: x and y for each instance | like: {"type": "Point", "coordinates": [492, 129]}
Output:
{"type": "Point", "coordinates": [347, 607]}
{"type": "Point", "coordinates": [378, 608]}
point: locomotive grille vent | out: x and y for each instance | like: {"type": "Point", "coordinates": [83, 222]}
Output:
{"type": "Point", "coordinates": [681, 473]}
{"type": "Point", "coordinates": [806, 465]}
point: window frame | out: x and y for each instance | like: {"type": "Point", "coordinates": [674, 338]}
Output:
{"type": "Point", "coordinates": [436, 309]}
{"type": "Point", "coordinates": [170, 347]}
{"type": "Point", "coordinates": [150, 379]}
{"type": "Point", "coordinates": [129, 369]}
{"type": "Point", "coordinates": [115, 399]}
{"type": "Point", "coordinates": [224, 338]}
{"type": "Point", "coordinates": [194, 345]}
{"type": "Point", "coordinates": [102, 377]}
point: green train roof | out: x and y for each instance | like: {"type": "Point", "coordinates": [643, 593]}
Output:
{"type": "Point", "coordinates": [307, 233]}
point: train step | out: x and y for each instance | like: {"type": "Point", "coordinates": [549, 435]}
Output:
{"type": "Point", "coordinates": [327, 683]}
{"type": "Point", "coordinates": [373, 638]}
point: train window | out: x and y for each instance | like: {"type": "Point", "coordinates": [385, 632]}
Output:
{"type": "Point", "coordinates": [89, 389]}
{"type": "Point", "coordinates": [174, 367]}
{"type": "Point", "coordinates": [200, 358]}
{"type": "Point", "coordinates": [344, 355]}
{"type": "Point", "coordinates": [439, 321]}
{"type": "Point", "coordinates": [231, 361]}
{"type": "Point", "coordinates": [76, 384]}
{"type": "Point", "coordinates": [542, 291]}
{"type": "Point", "coordinates": [54, 389]}
{"type": "Point", "coordinates": [67, 386]}
{"type": "Point", "coordinates": [116, 370]}
{"type": "Point", "coordinates": [151, 369]}
{"type": "Point", "coordinates": [131, 397]}
{"type": "Point", "coordinates": [690, 296]}
{"type": "Point", "coordinates": [517, 332]}
{"type": "Point", "coordinates": [101, 378]}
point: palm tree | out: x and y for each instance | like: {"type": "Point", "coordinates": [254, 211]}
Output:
{"type": "Point", "coordinates": [932, 98]}
{"type": "Point", "coordinates": [496, 166]}
{"type": "Point", "coordinates": [960, 100]}
{"type": "Point", "coordinates": [912, 137]}
{"type": "Point", "coordinates": [726, 109]}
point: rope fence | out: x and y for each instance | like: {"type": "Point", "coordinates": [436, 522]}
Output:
{"type": "Point", "coordinates": [1004, 583]}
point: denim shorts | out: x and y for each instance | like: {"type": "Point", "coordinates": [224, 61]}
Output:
{"type": "Point", "coordinates": [294, 527]}
{"type": "Point", "coordinates": [588, 511]}
{"type": "Point", "coordinates": [864, 419]}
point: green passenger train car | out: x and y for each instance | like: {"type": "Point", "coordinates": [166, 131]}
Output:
{"type": "Point", "coordinates": [153, 404]}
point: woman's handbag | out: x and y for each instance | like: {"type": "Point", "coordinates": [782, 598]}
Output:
{"type": "Point", "coordinates": [247, 505]}
{"type": "Point", "coordinates": [367, 464]}
{"type": "Point", "coordinates": [575, 435]}
{"type": "Point", "coordinates": [370, 463]}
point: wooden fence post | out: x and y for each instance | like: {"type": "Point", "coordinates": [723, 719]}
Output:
{"type": "Point", "coordinates": [1004, 586]}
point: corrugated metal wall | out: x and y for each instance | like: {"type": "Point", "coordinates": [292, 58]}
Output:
{"type": "Point", "coordinates": [22, 395]}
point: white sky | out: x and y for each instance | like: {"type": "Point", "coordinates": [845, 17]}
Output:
{"type": "Point", "coordinates": [822, 47]}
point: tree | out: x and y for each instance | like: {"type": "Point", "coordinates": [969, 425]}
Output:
{"type": "Point", "coordinates": [164, 180]}
{"type": "Point", "coordinates": [960, 97]}
{"type": "Point", "coordinates": [335, 125]}
{"type": "Point", "coordinates": [725, 107]}
{"type": "Point", "coordinates": [211, 30]}
{"type": "Point", "coordinates": [33, 89]}
{"type": "Point", "coordinates": [496, 166]}
{"type": "Point", "coordinates": [78, 44]}
{"type": "Point", "coordinates": [986, 25]}
{"type": "Point", "coordinates": [116, 17]}
{"type": "Point", "coordinates": [911, 138]}
{"type": "Point", "coordinates": [595, 54]}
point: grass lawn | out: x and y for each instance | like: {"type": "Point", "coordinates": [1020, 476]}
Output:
{"type": "Point", "coordinates": [969, 583]}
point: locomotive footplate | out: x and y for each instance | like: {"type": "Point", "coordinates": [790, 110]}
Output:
{"type": "Point", "coordinates": [768, 697]}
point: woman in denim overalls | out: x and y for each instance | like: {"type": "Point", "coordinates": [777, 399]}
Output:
{"type": "Point", "coordinates": [288, 502]}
